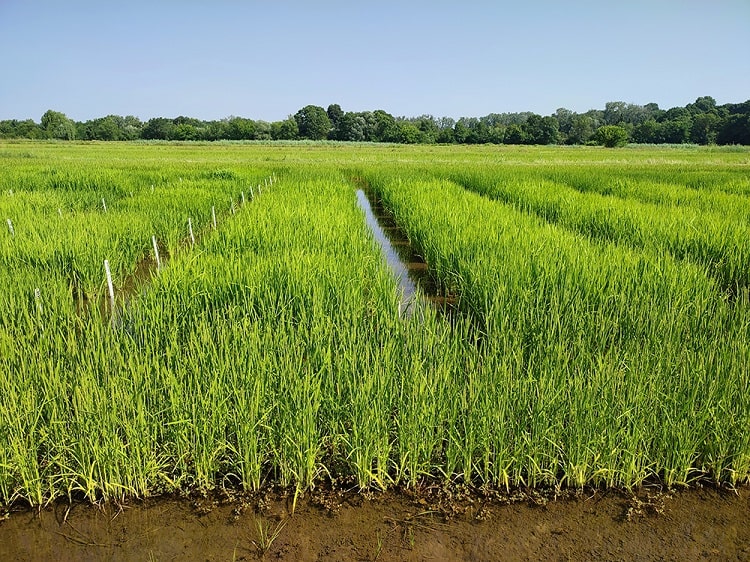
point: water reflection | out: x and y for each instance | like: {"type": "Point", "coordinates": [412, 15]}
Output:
{"type": "Point", "coordinates": [408, 267]}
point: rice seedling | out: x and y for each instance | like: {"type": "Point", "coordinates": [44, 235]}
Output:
{"type": "Point", "coordinates": [272, 350]}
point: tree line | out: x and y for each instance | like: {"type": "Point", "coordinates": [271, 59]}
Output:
{"type": "Point", "coordinates": [701, 122]}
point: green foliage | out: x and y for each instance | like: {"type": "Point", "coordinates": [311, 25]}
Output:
{"type": "Point", "coordinates": [601, 338]}
{"type": "Point", "coordinates": [335, 114]}
{"type": "Point", "coordinates": [611, 136]}
{"type": "Point", "coordinates": [409, 133]}
{"type": "Point", "coordinates": [57, 126]}
{"type": "Point", "coordinates": [701, 122]}
{"type": "Point", "coordinates": [285, 130]}
{"type": "Point", "coordinates": [312, 122]}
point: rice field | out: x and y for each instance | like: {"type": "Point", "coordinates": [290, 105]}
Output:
{"type": "Point", "coordinates": [602, 335]}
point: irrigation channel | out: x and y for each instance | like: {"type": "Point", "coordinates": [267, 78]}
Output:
{"type": "Point", "coordinates": [415, 281]}
{"type": "Point", "coordinates": [150, 264]}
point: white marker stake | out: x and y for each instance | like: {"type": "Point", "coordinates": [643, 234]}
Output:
{"type": "Point", "coordinates": [252, 194]}
{"type": "Point", "coordinates": [104, 205]}
{"type": "Point", "coordinates": [213, 216]}
{"type": "Point", "coordinates": [190, 228]}
{"type": "Point", "coordinates": [156, 253]}
{"type": "Point", "coordinates": [10, 228]}
{"type": "Point", "coordinates": [59, 212]}
{"type": "Point", "coordinates": [38, 299]}
{"type": "Point", "coordinates": [109, 285]}
{"type": "Point", "coordinates": [243, 197]}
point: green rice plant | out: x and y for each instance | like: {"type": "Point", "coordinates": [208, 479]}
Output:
{"type": "Point", "coordinates": [578, 317]}
{"type": "Point", "coordinates": [718, 240]}
{"type": "Point", "coordinates": [272, 351]}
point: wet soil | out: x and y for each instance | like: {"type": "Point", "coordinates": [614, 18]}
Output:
{"type": "Point", "coordinates": [697, 524]}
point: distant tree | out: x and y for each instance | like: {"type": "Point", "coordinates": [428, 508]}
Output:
{"type": "Point", "coordinates": [350, 127]}
{"type": "Point", "coordinates": [581, 130]}
{"type": "Point", "coordinates": [409, 133]}
{"type": "Point", "coordinates": [653, 111]}
{"type": "Point", "coordinates": [461, 131]}
{"type": "Point", "coordinates": [335, 114]}
{"type": "Point", "coordinates": [262, 130]}
{"type": "Point", "coordinates": [131, 127]}
{"type": "Point", "coordinates": [184, 132]}
{"type": "Point", "coordinates": [312, 122]}
{"type": "Point", "coordinates": [735, 130]}
{"type": "Point", "coordinates": [614, 112]}
{"type": "Point", "coordinates": [239, 128]}
{"type": "Point", "coordinates": [27, 129]}
{"type": "Point", "coordinates": [106, 128]}
{"type": "Point", "coordinates": [704, 128]}
{"type": "Point", "coordinates": [215, 130]}
{"type": "Point", "coordinates": [446, 136]}
{"type": "Point", "coordinates": [704, 104]}
{"type": "Point", "coordinates": [676, 131]}
{"type": "Point", "coordinates": [158, 128]}
{"type": "Point", "coordinates": [385, 127]}
{"type": "Point", "coordinates": [611, 136]}
{"type": "Point", "coordinates": [428, 126]}
{"type": "Point", "coordinates": [8, 129]}
{"type": "Point", "coordinates": [56, 125]}
{"type": "Point", "coordinates": [285, 130]}
{"type": "Point", "coordinates": [648, 132]}
{"type": "Point", "coordinates": [515, 134]}
{"type": "Point", "coordinates": [565, 121]}
{"type": "Point", "coordinates": [541, 130]}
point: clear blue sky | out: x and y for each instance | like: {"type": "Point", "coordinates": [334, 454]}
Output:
{"type": "Point", "coordinates": [266, 59]}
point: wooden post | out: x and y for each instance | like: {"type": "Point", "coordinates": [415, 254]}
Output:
{"type": "Point", "coordinates": [156, 253]}
{"type": "Point", "coordinates": [38, 299]}
{"type": "Point", "coordinates": [109, 286]}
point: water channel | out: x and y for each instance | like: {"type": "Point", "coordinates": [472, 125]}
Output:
{"type": "Point", "coordinates": [415, 282]}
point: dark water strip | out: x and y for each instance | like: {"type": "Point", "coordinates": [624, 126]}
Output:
{"type": "Point", "coordinates": [408, 267]}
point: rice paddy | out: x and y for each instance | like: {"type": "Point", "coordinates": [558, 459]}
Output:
{"type": "Point", "coordinates": [602, 336]}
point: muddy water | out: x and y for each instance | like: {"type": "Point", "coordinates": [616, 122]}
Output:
{"type": "Point", "coordinates": [415, 282]}
{"type": "Point", "coordinates": [696, 524]}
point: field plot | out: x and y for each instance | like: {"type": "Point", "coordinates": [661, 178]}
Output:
{"type": "Point", "coordinates": [603, 337]}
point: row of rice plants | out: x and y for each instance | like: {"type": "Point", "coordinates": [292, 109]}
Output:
{"type": "Point", "coordinates": [272, 353]}
{"type": "Point", "coordinates": [55, 363]}
{"type": "Point", "coordinates": [710, 183]}
{"type": "Point", "coordinates": [605, 365]}
{"type": "Point", "coordinates": [70, 228]}
{"type": "Point", "coordinates": [718, 242]}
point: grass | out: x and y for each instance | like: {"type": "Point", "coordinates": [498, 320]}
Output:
{"type": "Point", "coordinates": [272, 351]}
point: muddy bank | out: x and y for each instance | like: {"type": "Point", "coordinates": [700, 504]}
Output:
{"type": "Point", "coordinates": [702, 523]}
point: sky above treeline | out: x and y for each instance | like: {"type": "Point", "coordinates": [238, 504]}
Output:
{"type": "Point", "coordinates": [266, 59]}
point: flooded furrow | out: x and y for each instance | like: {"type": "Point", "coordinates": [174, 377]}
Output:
{"type": "Point", "coordinates": [409, 268]}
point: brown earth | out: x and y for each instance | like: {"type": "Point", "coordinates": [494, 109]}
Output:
{"type": "Point", "coordinates": [698, 524]}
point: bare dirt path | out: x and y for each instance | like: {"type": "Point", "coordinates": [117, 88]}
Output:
{"type": "Point", "coordinates": [699, 524]}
